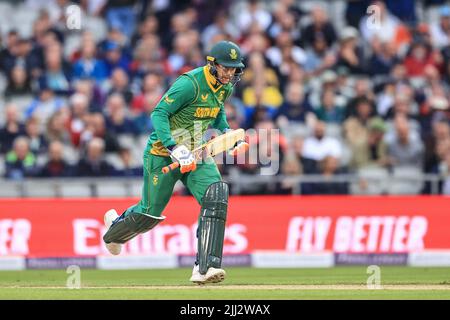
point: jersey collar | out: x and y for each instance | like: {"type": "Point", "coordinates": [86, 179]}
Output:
{"type": "Point", "coordinates": [210, 80]}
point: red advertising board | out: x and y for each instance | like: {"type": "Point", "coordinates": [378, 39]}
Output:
{"type": "Point", "coordinates": [64, 227]}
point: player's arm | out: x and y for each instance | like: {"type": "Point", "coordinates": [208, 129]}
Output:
{"type": "Point", "coordinates": [181, 93]}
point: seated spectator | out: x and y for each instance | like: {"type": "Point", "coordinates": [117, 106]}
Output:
{"type": "Point", "coordinates": [119, 84]}
{"type": "Point", "coordinates": [440, 29]}
{"type": "Point", "coordinates": [37, 142]}
{"type": "Point", "coordinates": [95, 127]}
{"type": "Point", "coordinates": [151, 86]}
{"type": "Point", "coordinates": [363, 92]}
{"type": "Point", "coordinates": [319, 57]}
{"type": "Point", "coordinates": [121, 16]}
{"type": "Point", "coordinates": [93, 163]}
{"type": "Point", "coordinates": [117, 120]}
{"type": "Point", "coordinates": [143, 122]}
{"type": "Point", "coordinates": [349, 54]}
{"type": "Point", "coordinates": [44, 105]}
{"type": "Point", "coordinates": [295, 107]}
{"type": "Point", "coordinates": [115, 58]}
{"type": "Point", "coordinates": [88, 66]}
{"type": "Point", "coordinates": [56, 166]}
{"type": "Point", "coordinates": [366, 143]}
{"type": "Point", "coordinates": [12, 129]}
{"type": "Point", "coordinates": [20, 162]}
{"type": "Point", "coordinates": [329, 110]}
{"type": "Point", "coordinates": [405, 148]}
{"type": "Point", "coordinates": [384, 57]}
{"type": "Point", "coordinates": [318, 146]}
{"type": "Point", "coordinates": [58, 73]}
{"type": "Point", "coordinates": [418, 58]}
{"type": "Point", "coordinates": [319, 28]}
{"type": "Point", "coordinates": [291, 166]}
{"type": "Point", "coordinates": [329, 168]}
{"type": "Point", "coordinates": [128, 169]}
{"type": "Point", "coordinates": [18, 83]}
{"type": "Point", "coordinates": [56, 129]}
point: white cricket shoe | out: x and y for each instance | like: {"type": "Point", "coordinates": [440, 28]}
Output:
{"type": "Point", "coordinates": [109, 217]}
{"type": "Point", "coordinates": [213, 275]}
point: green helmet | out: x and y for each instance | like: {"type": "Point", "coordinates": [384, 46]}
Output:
{"type": "Point", "coordinates": [227, 54]}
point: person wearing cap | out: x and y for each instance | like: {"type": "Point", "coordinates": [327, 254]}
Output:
{"type": "Point", "coordinates": [194, 102]}
{"type": "Point", "coordinates": [367, 144]}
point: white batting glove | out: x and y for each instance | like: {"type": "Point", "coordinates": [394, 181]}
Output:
{"type": "Point", "coordinates": [184, 157]}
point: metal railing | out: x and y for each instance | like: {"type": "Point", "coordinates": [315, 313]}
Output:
{"type": "Point", "coordinates": [240, 183]}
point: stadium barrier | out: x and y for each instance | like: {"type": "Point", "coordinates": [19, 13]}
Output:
{"type": "Point", "coordinates": [377, 184]}
{"type": "Point", "coordinates": [262, 231]}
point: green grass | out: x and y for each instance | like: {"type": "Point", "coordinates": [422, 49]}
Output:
{"type": "Point", "coordinates": [102, 284]}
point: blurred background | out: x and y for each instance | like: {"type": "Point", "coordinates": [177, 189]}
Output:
{"type": "Point", "coordinates": [360, 109]}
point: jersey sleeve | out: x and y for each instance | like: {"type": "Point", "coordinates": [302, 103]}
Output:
{"type": "Point", "coordinates": [180, 94]}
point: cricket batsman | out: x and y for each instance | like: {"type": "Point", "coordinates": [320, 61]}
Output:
{"type": "Point", "coordinates": [193, 103]}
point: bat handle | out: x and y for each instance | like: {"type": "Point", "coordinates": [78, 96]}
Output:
{"type": "Point", "coordinates": [170, 167]}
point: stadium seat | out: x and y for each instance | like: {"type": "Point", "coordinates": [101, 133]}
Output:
{"type": "Point", "coordinates": [406, 180]}
{"type": "Point", "coordinates": [376, 180]}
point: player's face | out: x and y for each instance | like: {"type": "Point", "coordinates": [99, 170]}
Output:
{"type": "Point", "coordinates": [225, 74]}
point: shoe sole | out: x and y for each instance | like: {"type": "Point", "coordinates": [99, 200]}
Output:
{"type": "Point", "coordinates": [219, 277]}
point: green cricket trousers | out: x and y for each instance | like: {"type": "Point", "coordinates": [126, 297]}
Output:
{"type": "Point", "coordinates": [158, 187]}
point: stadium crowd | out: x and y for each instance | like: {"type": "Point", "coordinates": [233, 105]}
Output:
{"type": "Point", "coordinates": [345, 98]}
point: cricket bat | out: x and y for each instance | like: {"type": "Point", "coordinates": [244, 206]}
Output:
{"type": "Point", "coordinates": [219, 144]}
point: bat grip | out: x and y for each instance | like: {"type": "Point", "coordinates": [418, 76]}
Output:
{"type": "Point", "coordinates": [170, 167]}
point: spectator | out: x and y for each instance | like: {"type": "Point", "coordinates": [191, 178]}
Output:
{"type": "Point", "coordinates": [318, 146]}
{"type": "Point", "coordinates": [19, 83]}
{"type": "Point", "coordinates": [57, 75]}
{"type": "Point", "coordinates": [329, 169]}
{"type": "Point", "coordinates": [119, 85]}
{"type": "Point", "coordinates": [95, 127]}
{"type": "Point", "coordinates": [115, 58]}
{"type": "Point", "coordinates": [56, 129]}
{"type": "Point", "coordinates": [142, 122]}
{"type": "Point", "coordinates": [295, 107]}
{"type": "Point", "coordinates": [117, 120]}
{"type": "Point", "coordinates": [56, 166]}
{"type": "Point", "coordinates": [366, 142]}
{"type": "Point", "coordinates": [44, 105]}
{"type": "Point", "coordinates": [20, 161]}
{"type": "Point", "coordinates": [440, 29]}
{"type": "Point", "coordinates": [330, 111]}
{"type": "Point", "coordinates": [12, 129]}
{"type": "Point", "coordinates": [121, 15]}
{"type": "Point", "coordinates": [253, 13]}
{"type": "Point", "coordinates": [291, 166]}
{"type": "Point", "coordinates": [79, 114]}
{"type": "Point", "coordinates": [88, 66]}
{"type": "Point", "coordinates": [36, 139]}
{"type": "Point", "coordinates": [221, 25]}
{"type": "Point", "coordinates": [128, 169]}
{"type": "Point", "coordinates": [93, 163]}
{"type": "Point", "coordinates": [151, 86]}
{"type": "Point", "coordinates": [319, 28]}
{"type": "Point", "coordinates": [349, 54]}
{"type": "Point", "coordinates": [405, 148]}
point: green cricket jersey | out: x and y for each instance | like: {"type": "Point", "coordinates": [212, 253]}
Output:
{"type": "Point", "coordinates": [193, 103]}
